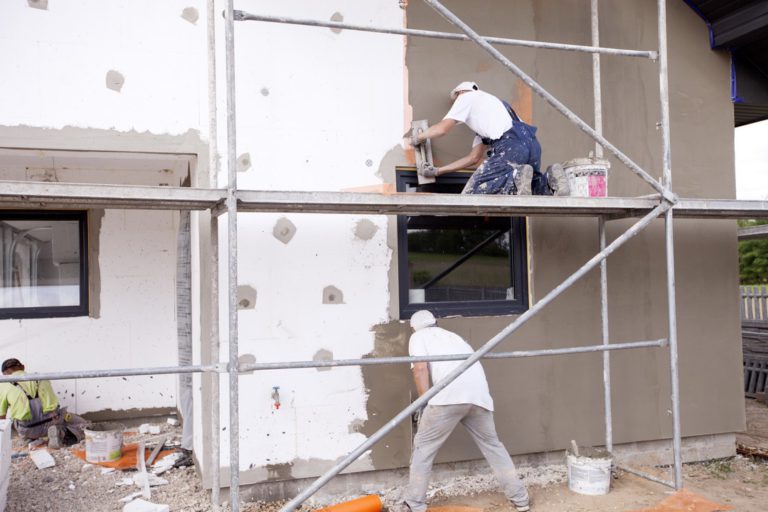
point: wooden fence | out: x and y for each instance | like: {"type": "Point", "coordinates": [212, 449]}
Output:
{"type": "Point", "coordinates": [754, 305]}
{"type": "Point", "coordinates": [754, 322]}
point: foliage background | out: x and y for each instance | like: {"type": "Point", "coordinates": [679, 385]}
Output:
{"type": "Point", "coordinates": [753, 257]}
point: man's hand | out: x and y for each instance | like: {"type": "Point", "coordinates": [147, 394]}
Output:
{"type": "Point", "coordinates": [416, 417]}
{"type": "Point", "coordinates": [429, 171]}
{"type": "Point", "coordinates": [415, 141]}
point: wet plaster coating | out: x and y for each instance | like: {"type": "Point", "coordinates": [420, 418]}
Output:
{"type": "Point", "coordinates": [323, 355]}
{"type": "Point", "coordinates": [115, 80]}
{"type": "Point", "coordinates": [332, 295]}
{"type": "Point", "coordinates": [246, 297]}
{"type": "Point", "coordinates": [365, 229]}
{"type": "Point", "coordinates": [337, 17]}
{"type": "Point", "coordinates": [38, 4]}
{"type": "Point", "coordinates": [244, 162]}
{"type": "Point", "coordinates": [562, 396]}
{"type": "Point", "coordinates": [94, 219]}
{"type": "Point", "coordinates": [190, 14]}
{"type": "Point", "coordinates": [390, 390]}
{"type": "Point", "coordinates": [284, 230]}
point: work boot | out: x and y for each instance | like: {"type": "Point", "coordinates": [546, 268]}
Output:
{"type": "Point", "coordinates": [54, 438]}
{"type": "Point", "coordinates": [558, 181]}
{"type": "Point", "coordinates": [522, 508]}
{"type": "Point", "coordinates": [523, 174]}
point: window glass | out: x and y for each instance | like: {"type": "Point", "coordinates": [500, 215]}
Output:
{"type": "Point", "coordinates": [43, 264]}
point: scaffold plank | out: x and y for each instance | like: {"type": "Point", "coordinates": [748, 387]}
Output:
{"type": "Point", "coordinates": [24, 194]}
{"type": "Point", "coordinates": [438, 204]}
{"type": "Point", "coordinates": [51, 195]}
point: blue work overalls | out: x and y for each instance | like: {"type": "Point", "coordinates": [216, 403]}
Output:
{"type": "Point", "coordinates": [516, 147]}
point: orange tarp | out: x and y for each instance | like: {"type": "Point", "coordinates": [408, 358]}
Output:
{"type": "Point", "coordinates": [686, 501]}
{"type": "Point", "coordinates": [127, 461]}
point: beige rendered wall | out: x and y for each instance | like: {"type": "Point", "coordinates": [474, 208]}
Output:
{"type": "Point", "coordinates": [543, 403]}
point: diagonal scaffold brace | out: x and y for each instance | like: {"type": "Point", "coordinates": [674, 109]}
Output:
{"type": "Point", "coordinates": [549, 98]}
{"type": "Point", "coordinates": [476, 356]}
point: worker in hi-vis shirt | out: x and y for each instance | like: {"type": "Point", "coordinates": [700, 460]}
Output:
{"type": "Point", "coordinates": [34, 408]}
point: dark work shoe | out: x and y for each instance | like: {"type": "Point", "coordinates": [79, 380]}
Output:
{"type": "Point", "coordinates": [185, 459]}
{"type": "Point", "coordinates": [558, 181]}
{"type": "Point", "coordinates": [523, 174]}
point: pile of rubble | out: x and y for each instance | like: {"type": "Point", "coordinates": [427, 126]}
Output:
{"type": "Point", "coordinates": [61, 480]}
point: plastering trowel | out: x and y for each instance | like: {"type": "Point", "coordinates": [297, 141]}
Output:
{"type": "Point", "coordinates": [423, 152]}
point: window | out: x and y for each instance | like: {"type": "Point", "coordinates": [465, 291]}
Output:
{"type": "Point", "coordinates": [44, 264]}
{"type": "Point", "coordinates": [459, 265]}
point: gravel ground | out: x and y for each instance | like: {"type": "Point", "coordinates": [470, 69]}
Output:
{"type": "Point", "coordinates": [73, 485]}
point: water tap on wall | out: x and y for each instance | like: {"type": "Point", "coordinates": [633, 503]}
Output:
{"type": "Point", "coordinates": [276, 396]}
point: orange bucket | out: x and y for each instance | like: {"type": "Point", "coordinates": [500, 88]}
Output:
{"type": "Point", "coordinates": [370, 503]}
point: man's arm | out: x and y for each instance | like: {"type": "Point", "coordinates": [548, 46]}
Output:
{"type": "Point", "coordinates": [421, 377]}
{"type": "Point", "coordinates": [436, 130]}
{"type": "Point", "coordinates": [473, 159]}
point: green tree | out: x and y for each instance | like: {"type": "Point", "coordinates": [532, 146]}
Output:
{"type": "Point", "coordinates": [753, 257]}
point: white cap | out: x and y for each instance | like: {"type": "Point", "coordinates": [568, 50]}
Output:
{"type": "Point", "coordinates": [421, 319]}
{"type": "Point", "coordinates": [463, 86]}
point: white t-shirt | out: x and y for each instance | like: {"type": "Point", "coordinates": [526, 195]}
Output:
{"type": "Point", "coordinates": [471, 387]}
{"type": "Point", "coordinates": [484, 113]}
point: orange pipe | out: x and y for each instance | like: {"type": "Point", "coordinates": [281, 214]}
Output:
{"type": "Point", "coordinates": [370, 503]}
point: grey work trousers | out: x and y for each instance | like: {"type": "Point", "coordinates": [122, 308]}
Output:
{"type": "Point", "coordinates": [436, 424]}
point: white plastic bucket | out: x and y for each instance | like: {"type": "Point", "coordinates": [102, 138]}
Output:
{"type": "Point", "coordinates": [589, 473]}
{"type": "Point", "coordinates": [103, 442]}
{"type": "Point", "coordinates": [587, 177]}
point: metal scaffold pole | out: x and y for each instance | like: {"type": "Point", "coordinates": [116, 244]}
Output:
{"type": "Point", "coordinates": [549, 98]}
{"type": "Point", "coordinates": [231, 205]}
{"type": "Point", "coordinates": [214, 340]}
{"type": "Point", "coordinates": [670, 243]}
{"type": "Point", "coordinates": [246, 16]}
{"type": "Point", "coordinates": [598, 107]}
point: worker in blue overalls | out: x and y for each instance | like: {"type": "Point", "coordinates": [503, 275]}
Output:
{"type": "Point", "coordinates": [506, 146]}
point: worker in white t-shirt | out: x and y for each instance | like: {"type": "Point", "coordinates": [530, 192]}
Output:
{"type": "Point", "coordinates": [466, 400]}
{"type": "Point", "coordinates": [506, 146]}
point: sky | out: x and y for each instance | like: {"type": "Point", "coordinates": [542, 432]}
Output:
{"type": "Point", "coordinates": [752, 161]}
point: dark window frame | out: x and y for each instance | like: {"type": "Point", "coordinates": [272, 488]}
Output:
{"type": "Point", "coordinates": [81, 309]}
{"type": "Point", "coordinates": [518, 264]}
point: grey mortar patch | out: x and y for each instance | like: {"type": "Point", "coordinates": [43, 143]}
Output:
{"type": "Point", "coordinates": [279, 471]}
{"type": "Point", "coordinates": [332, 295]}
{"type": "Point", "coordinates": [38, 4]}
{"type": "Point", "coordinates": [190, 14]}
{"type": "Point", "coordinates": [284, 230]}
{"type": "Point", "coordinates": [246, 297]}
{"type": "Point", "coordinates": [355, 426]}
{"type": "Point", "coordinates": [264, 91]}
{"type": "Point", "coordinates": [337, 16]}
{"type": "Point", "coordinates": [365, 229]}
{"type": "Point", "coordinates": [41, 174]}
{"type": "Point", "coordinates": [247, 359]}
{"type": "Point", "coordinates": [244, 162]}
{"type": "Point", "coordinates": [323, 355]}
{"type": "Point", "coordinates": [115, 80]}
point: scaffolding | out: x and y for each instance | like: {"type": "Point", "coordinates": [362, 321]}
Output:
{"type": "Point", "coordinates": [231, 201]}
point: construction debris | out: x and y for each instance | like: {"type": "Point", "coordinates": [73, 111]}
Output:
{"type": "Point", "coordinates": [140, 505]}
{"type": "Point", "coordinates": [147, 428]}
{"type": "Point", "coordinates": [42, 459]}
